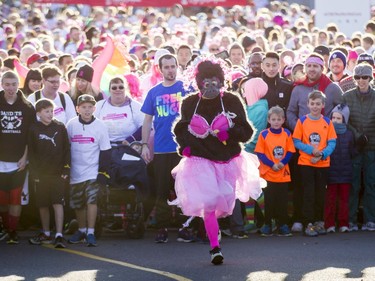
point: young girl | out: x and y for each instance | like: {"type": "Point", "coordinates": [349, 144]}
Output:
{"type": "Point", "coordinates": [340, 172]}
{"type": "Point", "coordinates": [214, 171]}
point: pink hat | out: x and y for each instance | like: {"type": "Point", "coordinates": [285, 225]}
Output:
{"type": "Point", "coordinates": [254, 89]}
{"type": "Point", "coordinates": [352, 55]}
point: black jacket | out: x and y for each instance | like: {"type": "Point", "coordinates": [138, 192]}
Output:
{"type": "Point", "coordinates": [279, 91]}
{"type": "Point", "coordinates": [341, 167]}
{"type": "Point", "coordinates": [15, 121]}
{"type": "Point", "coordinates": [49, 150]}
{"type": "Point", "coordinates": [210, 147]}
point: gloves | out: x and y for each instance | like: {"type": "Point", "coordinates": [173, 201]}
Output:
{"type": "Point", "coordinates": [223, 136]}
{"type": "Point", "coordinates": [362, 141]}
{"type": "Point", "coordinates": [186, 152]}
{"type": "Point", "coordinates": [102, 179]}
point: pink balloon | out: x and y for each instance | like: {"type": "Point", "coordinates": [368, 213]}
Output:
{"type": "Point", "coordinates": [102, 61]}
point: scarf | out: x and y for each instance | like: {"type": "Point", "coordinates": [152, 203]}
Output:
{"type": "Point", "coordinates": [340, 128]}
{"type": "Point", "coordinates": [323, 82]}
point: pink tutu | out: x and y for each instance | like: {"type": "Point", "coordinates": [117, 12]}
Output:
{"type": "Point", "coordinates": [206, 186]}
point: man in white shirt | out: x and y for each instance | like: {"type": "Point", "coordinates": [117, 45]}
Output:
{"type": "Point", "coordinates": [64, 107]}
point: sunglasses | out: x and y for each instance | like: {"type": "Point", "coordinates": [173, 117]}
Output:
{"type": "Point", "coordinates": [214, 49]}
{"type": "Point", "coordinates": [357, 77]}
{"type": "Point", "coordinates": [114, 88]}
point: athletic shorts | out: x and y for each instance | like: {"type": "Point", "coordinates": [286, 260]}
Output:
{"type": "Point", "coordinates": [84, 193]}
{"type": "Point", "coordinates": [11, 185]}
{"type": "Point", "coordinates": [49, 191]}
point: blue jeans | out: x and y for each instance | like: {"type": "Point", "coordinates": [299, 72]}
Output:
{"type": "Point", "coordinates": [363, 162]}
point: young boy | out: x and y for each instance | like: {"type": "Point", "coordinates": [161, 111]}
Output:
{"type": "Point", "coordinates": [274, 149]}
{"type": "Point", "coordinates": [340, 172]}
{"type": "Point", "coordinates": [49, 157]}
{"type": "Point", "coordinates": [315, 137]}
{"type": "Point", "coordinates": [91, 156]}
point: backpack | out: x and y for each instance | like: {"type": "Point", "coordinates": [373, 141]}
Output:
{"type": "Point", "coordinates": [38, 95]}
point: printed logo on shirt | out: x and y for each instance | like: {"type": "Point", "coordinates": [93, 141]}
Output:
{"type": "Point", "coordinates": [58, 111]}
{"type": "Point", "coordinates": [45, 137]}
{"type": "Point", "coordinates": [168, 104]}
{"type": "Point", "coordinates": [115, 116]}
{"type": "Point", "coordinates": [278, 152]}
{"type": "Point", "coordinates": [314, 139]}
{"type": "Point", "coordinates": [11, 121]}
{"type": "Point", "coordinates": [81, 139]}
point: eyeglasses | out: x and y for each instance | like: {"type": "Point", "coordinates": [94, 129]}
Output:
{"type": "Point", "coordinates": [114, 88]}
{"type": "Point", "coordinates": [54, 82]}
{"type": "Point", "coordinates": [214, 49]}
{"type": "Point", "coordinates": [357, 77]}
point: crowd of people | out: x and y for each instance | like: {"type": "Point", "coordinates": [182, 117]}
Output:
{"type": "Point", "coordinates": [204, 92]}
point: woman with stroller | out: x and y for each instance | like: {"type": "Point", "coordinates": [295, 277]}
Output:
{"type": "Point", "coordinates": [122, 116]}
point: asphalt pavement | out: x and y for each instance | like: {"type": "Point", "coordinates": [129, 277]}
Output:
{"type": "Point", "coordinates": [339, 256]}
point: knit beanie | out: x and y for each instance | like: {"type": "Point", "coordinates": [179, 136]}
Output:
{"type": "Point", "coordinates": [352, 55]}
{"type": "Point", "coordinates": [337, 54]}
{"type": "Point", "coordinates": [254, 89]}
{"type": "Point", "coordinates": [363, 69]}
{"type": "Point", "coordinates": [343, 109]}
{"type": "Point", "coordinates": [85, 72]}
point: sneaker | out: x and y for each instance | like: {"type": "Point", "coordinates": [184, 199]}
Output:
{"type": "Point", "coordinates": [59, 242]}
{"type": "Point", "coordinates": [13, 238]}
{"type": "Point", "coordinates": [251, 228]}
{"type": "Point", "coordinates": [353, 227]}
{"type": "Point", "coordinates": [216, 256]}
{"type": "Point", "coordinates": [284, 231]}
{"type": "Point", "coordinates": [78, 237]}
{"type": "Point", "coordinates": [3, 235]}
{"type": "Point", "coordinates": [266, 230]}
{"type": "Point", "coordinates": [162, 236]}
{"type": "Point", "coordinates": [185, 235]}
{"type": "Point", "coordinates": [331, 229]}
{"type": "Point", "coordinates": [319, 228]}
{"type": "Point", "coordinates": [344, 229]}
{"type": "Point", "coordinates": [71, 227]}
{"type": "Point", "coordinates": [91, 240]}
{"type": "Point", "coordinates": [226, 232]}
{"type": "Point", "coordinates": [41, 238]}
{"type": "Point", "coordinates": [310, 231]}
{"type": "Point", "coordinates": [370, 226]}
{"type": "Point", "coordinates": [240, 235]}
{"type": "Point", "coordinates": [297, 227]}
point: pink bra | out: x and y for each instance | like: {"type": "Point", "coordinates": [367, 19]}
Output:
{"type": "Point", "coordinates": [200, 128]}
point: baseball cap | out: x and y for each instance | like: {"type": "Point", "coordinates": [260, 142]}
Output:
{"type": "Point", "coordinates": [36, 58]}
{"type": "Point", "coordinates": [322, 50]}
{"type": "Point", "coordinates": [85, 98]}
{"type": "Point", "coordinates": [365, 58]}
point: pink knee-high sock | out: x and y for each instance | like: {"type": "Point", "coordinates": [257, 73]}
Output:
{"type": "Point", "coordinates": [212, 229]}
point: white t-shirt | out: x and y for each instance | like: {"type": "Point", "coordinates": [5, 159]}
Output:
{"type": "Point", "coordinates": [121, 121]}
{"type": "Point", "coordinates": [61, 114]}
{"type": "Point", "coordinates": [86, 142]}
